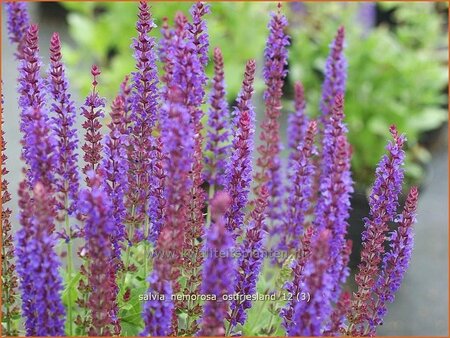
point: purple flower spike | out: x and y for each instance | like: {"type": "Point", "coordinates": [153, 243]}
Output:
{"type": "Point", "coordinates": [218, 126]}
{"type": "Point", "coordinates": [250, 261]}
{"type": "Point", "coordinates": [335, 76]}
{"type": "Point", "coordinates": [93, 112]}
{"type": "Point", "coordinates": [10, 307]}
{"type": "Point", "coordinates": [38, 264]}
{"type": "Point", "coordinates": [217, 277]}
{"type": "Point", "coordinates": [67, 178]}
{"type": "Point", "coordinates": [275, 56]}
{"type": "Point", "coordinates": [38, 141]}
{"type": "Point", "coordinates": [396, 260]}
{"type": "Point", "coordinates": [157, 203]}
{"type": "Point", "coordinates": [297, 122]}
{"type": "Point", "coordinates": [383, 202]}
{"type": "Point", "coordinates": [17, 24]}
{"type": "Point", "coordinates": [143, 116]}
{"type": "Point", "coordinates": [96, 205]}
{"type": "Point", "coordinates": [300, 192]}
{"type": "Point", "coordinates": [239, 171]}
{"type": "Point", "coordinates": [199, 31]}
{"type": "Point", "coordinates": [336, 185]}
{"type": "Point", "coordinates": [310, 314]}
{"type": "Point", "coordinates": [116, 168]}
{"type": "Point", "coordinates": [157, 312]}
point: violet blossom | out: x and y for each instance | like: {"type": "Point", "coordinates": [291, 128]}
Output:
{"type": "Point", "coordinates": [144, 107]}
{"type": "Point", "coordinates": [17, 24]}
{"type": "Point", "coordinates": [300, 192]}
{"type": "Point", "coordinates": [218, 134]}
{"type": "Point", "coordinates": [92, 112]}
{"type": "Point", "coordinates": [336, 185]}
{"type": "Point", "coordinates": [38, 263]}
{"type": "Point", "coordinates": [383, 202]}
{"type": "Point", "coordinates": [62, 106]}
{"type": "Point", "coordinates": [239, 169]}
{"type": "Point", "coordinates": [311, 313]}
{"type": "Point", "coordinates": [275, 57]}
{"type": "Point", "coordinates": [96, 205]}
{"type": "Point", "coordinates": [217, 279]}
{"type": "Point", "coordinates": [335, 75]}
{"type": "Point", "coordinates": [396, 260]}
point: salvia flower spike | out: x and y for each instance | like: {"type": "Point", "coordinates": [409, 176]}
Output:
{"type": "Point", "coordinates": [335, 75]}
{"type": "Point", "coordinates": [96, 204]}
{"type": "Point", "coordinates": [9, 276]}
{"type": "Point", "coordinates": [38, 263]}
{"type": "Point", "coordinates": [383, 202]}
{"type": "Point", "coordinates": [239, 169]}
{"type": "Point", "coordinates": [309, 315]}
{"type": "Point", "coordinates": [145, 195]}
{"type": "Point", "coordinates": [143, 118]}
{"type": "Point", "coordinates": [62, 106]}
{"type": "Point", "coordinates": [17, 24]}
{"type": "Point", "coordinates": [299, 193]}
{"type": "Point", "coordinates": [218, 134]}
{"type": "Point", "coordinates": [274, 71]}
{"type": "Point", "coordinates": [396, 260]}
{"type": "Point", "coordinates": [336, 185]}
{"type": "Point", "coordinates": [217, 279]}
{"type": "Point", "coordinates": [93, 113]}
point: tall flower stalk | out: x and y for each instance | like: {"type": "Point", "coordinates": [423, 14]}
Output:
{"type": "Point", "coordinates": [99, 226]}
{"type": "Point", "coordinates": [93, 113]}
{"type": "Point", "coordinates": [275, 57]}
{"type": "Point", "coordinates": [17, 24]}
{"type": "Point", "coordinates": [66, 178]}
{"type": "Point", "coordinates": [38, 263]}
{"type": "Point", "coordinates": [300, 193]}
{"type": "Point", "coordinates": [218, 133]}
{"type": "Point", "coordinates": [9, 276]}
{"type": "Point", "coordinates": [217, 280]}
{"type": "Point", "coordinates": [335, 76]}
{"type": "Point", "coordinates": [383, 202]}
{"type": "Point", "coordinates": [335, 186]}
{"type": "Point", "coordinates": [143, 117]}
{"type": "Point", "coordinates": [239, 169]}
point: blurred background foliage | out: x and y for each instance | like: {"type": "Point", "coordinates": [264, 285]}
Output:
{"type": "Point", "coordinates": [396, 52]}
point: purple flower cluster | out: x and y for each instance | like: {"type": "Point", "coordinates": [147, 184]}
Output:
{"type": "Point", "coordinates": [92, 112]}
{"type": "Point", "coordinates": [99, 225]}
{"type": "Point", "coordinates": [146, 180]}
{"type": "Point", "coordinates": [17, 24]}
{"type": "Point", "coordinates": [239, 170]}
{"type": "Point", "coordinates": [217, 279]}
{"type": "Point", "coordinates": [38, 263]}
{"type": "Point", "coordinates": [9, 277]}
{"type": "Point", "coordinates": [63, 109]}
{"type": "Point", "coordinates": [300, 192]}
{"type": "Point", "coordinates": [335, 76]}
{"type": "Point", "coordinates": [218, 126]}
{"type": "Point", "coordinates": [396, 260]}
{"type": "Point", "coordinates": [38, 141]}
{"type": "Point", "coordinates": [336, 185]}
{"type": "Point", "coordinates": [310, 315]}
{"type": "Point", "coordinates": [275, 57]}
{"type": "Point", "coordinates": [383, 203]}
{"type": "Point", "coordinates": [116, 168]}
{"type": "Point", "coordinates": [143, 118]}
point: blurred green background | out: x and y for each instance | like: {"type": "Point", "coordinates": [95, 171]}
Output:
{"type": "Point", "coordinates": [396, 52]}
